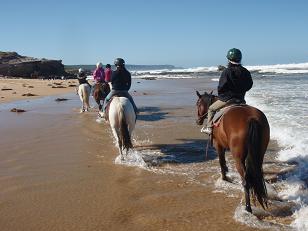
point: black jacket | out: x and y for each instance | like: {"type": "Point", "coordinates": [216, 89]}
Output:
{"type": "Point", "coordinates": [234, 82]}
{"type": "Point", "coordinates": [121, 80]}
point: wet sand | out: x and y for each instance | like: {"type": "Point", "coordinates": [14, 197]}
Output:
{"type": "Point", "coordinates": [19, 89]}
{"type": "Point", "coordinates": [57, 169]}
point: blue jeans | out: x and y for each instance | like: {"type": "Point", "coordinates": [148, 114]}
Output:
{"type": "Point", "coordinates": [123, 93]}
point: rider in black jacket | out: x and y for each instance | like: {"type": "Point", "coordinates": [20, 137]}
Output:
{"type": "Point", "coordinates": [234, 82]}
{"type": "Point", "coordinates": [121, 82]}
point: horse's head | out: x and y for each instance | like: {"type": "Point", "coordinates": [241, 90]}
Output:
{"type": "Point", "coordinates": [101, 90]}
{"type": "Point", "coordinates": [203, 104]}
{"type": "Point", "coordinates": [105, 88]}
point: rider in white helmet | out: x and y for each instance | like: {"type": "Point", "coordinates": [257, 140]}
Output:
{"type": "Point", "coordinates": [99, 74]}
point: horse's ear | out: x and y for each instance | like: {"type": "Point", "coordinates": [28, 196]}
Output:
{"type": "Point", "coordinates": [198, 94]}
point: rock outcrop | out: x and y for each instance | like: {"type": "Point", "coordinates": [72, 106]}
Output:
{"type": "Point", "coordinates": [221, 68]}
{"type": "Point", "coordinates": [15, 65]}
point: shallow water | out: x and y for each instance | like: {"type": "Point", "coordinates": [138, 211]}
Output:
{"type": "Point", "coordinates": [63, 168]}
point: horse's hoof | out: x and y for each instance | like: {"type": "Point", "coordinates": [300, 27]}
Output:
{"type": "Point", "coordinates": [81, 110]}
{"type": "Point", "coordinates": [248, 209]}
{"type": "Point", "coordinates": [225, 178]}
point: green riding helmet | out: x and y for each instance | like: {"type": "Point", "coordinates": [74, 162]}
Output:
{"type": "Point", "coordinates": [234, 55]}
{"type": "Point", "coordinates": [119, 62]}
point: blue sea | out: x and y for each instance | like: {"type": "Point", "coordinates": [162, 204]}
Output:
{"type": "Point", "coordinates": [280, 91]}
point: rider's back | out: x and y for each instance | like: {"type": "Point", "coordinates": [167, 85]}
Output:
{"type": "Point", "coordinates": [121, 80]}
{"type": "Point", "coordinates": [234, 82]}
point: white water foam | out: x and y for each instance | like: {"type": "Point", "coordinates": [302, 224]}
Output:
{"type": "Point", "coordinates": [301, 217]}
{"type": "Point", "coordinates": [242, 216]}
{"type": "Point", "coordinates": [284, 101]}
{"type": "Point", "coordinates": [196, 72]}
{"type": "Point", "coordinates": [294, 68]}
{"type": "Point", "coordinates": [133, 158]}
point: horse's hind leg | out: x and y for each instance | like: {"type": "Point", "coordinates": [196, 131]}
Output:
{"type": "Point", "coordinates": [120, 146]}
{"type": "Point", "coordinates": [240, 166]}
{"type": "Point", "coordinates": [222, 161]}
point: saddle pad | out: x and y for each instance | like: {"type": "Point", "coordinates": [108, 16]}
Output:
{"type": "Point", "coordinates": [219, 114]}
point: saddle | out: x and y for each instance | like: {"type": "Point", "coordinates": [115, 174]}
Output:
{"type": "Point", "coordinates": [220, 113]}
{"type": "Point", "coordinates": [108, 104]}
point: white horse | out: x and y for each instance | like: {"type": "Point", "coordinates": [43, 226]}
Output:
{"type": "Point", "coordinates": [84, 91]}
{"type": "Point", "coordinates": [122, 119]}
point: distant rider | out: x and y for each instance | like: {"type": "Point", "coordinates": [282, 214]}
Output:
{"type": "Point", "coordinates": [108, 73]}
{"type": "Point", "coordinates": [99, 74]}
{"type": "Point", "coordinates": [234, 82]}
{"type": "Point", "coordinates": [121, 82]}
{"type": "Point", "coordinates": [82, 77]}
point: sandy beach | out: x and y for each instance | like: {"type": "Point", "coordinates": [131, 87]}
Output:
{"type": "Point", "coordinates": [18, 89]}
{"type": "Point", "coordinates": [58, 170]}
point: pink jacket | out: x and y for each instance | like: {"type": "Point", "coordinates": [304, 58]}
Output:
{"type": "Point", "coordinates": [99, 75]}
{"type": "Point", "coordinates": [108, 73]}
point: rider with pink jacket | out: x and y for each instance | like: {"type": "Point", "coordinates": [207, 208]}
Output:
{"type": "Point", "coordinates": [99, 74]}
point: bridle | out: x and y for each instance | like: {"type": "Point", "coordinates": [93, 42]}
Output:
{"type": "Point", "coordinates": [209, 101]}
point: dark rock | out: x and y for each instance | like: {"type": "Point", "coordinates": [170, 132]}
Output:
{"type": "Point", "coordinates": [6, 89]}
{"type": "Point", "coordinates": [221, 67]}
{"type": "Point", "coordinates": [60, 99]}
{"type": "Point", "coordinates": [59, 86]}
{"type": "Point", "coordinates": [149, 78]}
{"type": "Point", "coordinates": [28, 94]}
{"type": "Point", "coordinates": [15, 65]}
{"type": "Point", "coordinates": [17, 110]}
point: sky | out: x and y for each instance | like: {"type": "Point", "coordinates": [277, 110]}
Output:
{"type": "Point", "coordinates": [178, 32]}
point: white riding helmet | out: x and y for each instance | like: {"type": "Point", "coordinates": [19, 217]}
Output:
{"type": "Point", "coordinates": [99, 64]}
{"type": "Point", "coordinates": [80, 70]}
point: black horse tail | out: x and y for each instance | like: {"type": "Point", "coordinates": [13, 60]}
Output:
{"type": "Point", "coordinates": [254, 172]}
{"type": "Point", "coordinates": [124, 136]}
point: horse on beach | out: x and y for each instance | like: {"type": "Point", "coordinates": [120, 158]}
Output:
{"type": "Point", "coordinates": [244, 130]}
{"type": "Point", "coordinates": [122, 119]}
{"type": "Point", "coordinates": [100, 91]}
{"type": "Point", "coordinates": [84, 91]}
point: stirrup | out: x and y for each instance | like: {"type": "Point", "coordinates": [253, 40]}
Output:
{"type": "Point", "coordinates": [207, 130]}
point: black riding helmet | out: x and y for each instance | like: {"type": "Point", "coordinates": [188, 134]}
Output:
{"type": "Point", "coordinates": [234, 55]}
{"type": "Point", "coordinates": [119, 62]}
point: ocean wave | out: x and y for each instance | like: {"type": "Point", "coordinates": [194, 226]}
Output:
{"type": "Point", "coordinates": [199, 72]}
{"type": "Point", "coordinates": [196, 72]}
{"type": "Point", "coordinates": [299, 68]}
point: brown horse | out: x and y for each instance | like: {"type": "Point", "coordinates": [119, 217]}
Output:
{"type": "Point", "coordinates": [101, 90]}
{"type": "Point", "coordinates": [245, 132]}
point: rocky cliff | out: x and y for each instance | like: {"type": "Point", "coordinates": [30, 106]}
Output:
{"type": "Point", "coordinates": [15, 65]}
